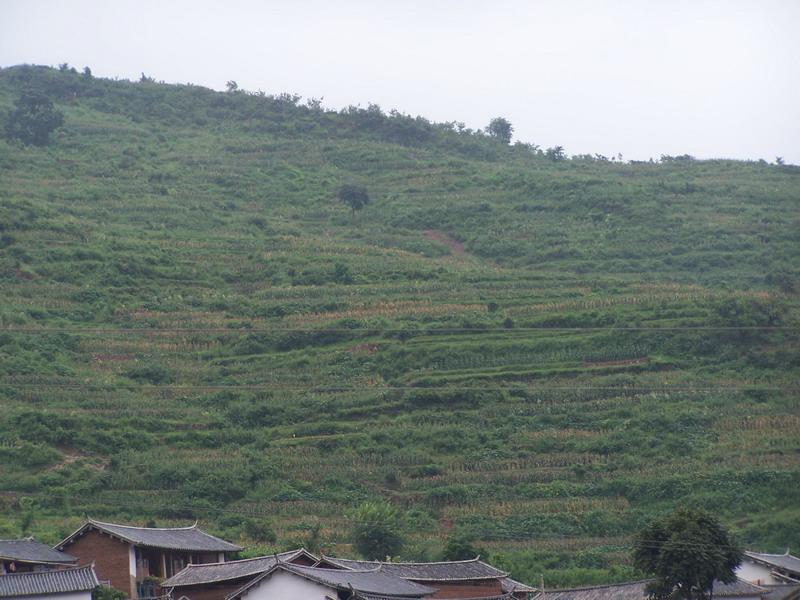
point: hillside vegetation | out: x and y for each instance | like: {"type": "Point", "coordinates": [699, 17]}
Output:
{"type": "Point", "coordinates": [535, 353]}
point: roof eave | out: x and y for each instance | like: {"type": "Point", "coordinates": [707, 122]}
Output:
{"type": "Point", "coordinates": [99, 526]}
{"type": "Point", "coordinates": [31, 561]}
{"type": "Point", "coordinates": [289, 556]}
{"type": "Point", "coordinates": [498, 575]}
{"type": "Point", "coordinates": [183, 548]}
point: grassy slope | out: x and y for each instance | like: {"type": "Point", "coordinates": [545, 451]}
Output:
{"type": "Point", "coordinates": [193, 327]}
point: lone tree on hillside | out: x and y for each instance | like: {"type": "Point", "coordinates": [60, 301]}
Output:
{"type": "Point", "coordinates": [500, 129]}
{"type": "Point", "coordinates": [376, 534]}
{"type": "Point", "coordinates": [33, 119]}
{"type": "Point", "coordinates": [687, 551]}
{"type": "Point", "coordinates": [556, 153]}
{"type": "Point", "coordinates": [355, 196]}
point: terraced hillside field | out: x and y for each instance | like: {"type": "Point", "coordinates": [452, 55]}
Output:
{"type": "Point", "coordinates": [538, 355]}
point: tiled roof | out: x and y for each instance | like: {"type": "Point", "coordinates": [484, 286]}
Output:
{"type": "Point", "coordinates": [737, 588]}
{"type": "Point", "coordinates": [635, 590]}
{"type": "Point", "coordinates": [512, 585]}
{"type": "Point", "coordinates": [29, 550]}
{"type": "Point", "coordinates": [781, 592]}
{"type": "Point", "coordinates": [372, 582]}
{"type": "Point", "coordinates": [190, 539]}
{"type": "Point", "coordinates": [782, 561]}
{"type": "Point", "coordinates": [58, 581]}
{"type": "Point", "coordinates": [454, 570]}
{"type": "Point", "coordinates": [363, 596]}
{"type": "Point", "coordinates": [226, 571]}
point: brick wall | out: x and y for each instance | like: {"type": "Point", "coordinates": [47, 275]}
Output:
{"type": "Point", "coordinates": [303, 560]}
{"type": "Point", "coordinates": [110, 556]}
{"type": "Point", "coordinates": [211, 591]}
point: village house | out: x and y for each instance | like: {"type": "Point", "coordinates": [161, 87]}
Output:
{"type": "Point", "coordinates": [74, 583]}
{"type": "Point", "coordinates": [26, 554]}
{"type": "Point", "coordinates": [218, 580]}
{"type": "Point", "coordinates": [293, 582]}
{"type": "Point", "coordinates": [769, 569]}
{"type": "Point", "coordinates": [635, 590]}
{"type": "Point", "coordinates": [452, 579]}
{"type": "Point", "coordinates": [135, 559]}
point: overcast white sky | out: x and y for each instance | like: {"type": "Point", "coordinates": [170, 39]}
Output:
{"type": "Point", "coordinates": [712, 78]}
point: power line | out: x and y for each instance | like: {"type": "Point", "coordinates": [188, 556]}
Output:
{"type": "Point", "coordinates": [418, 388]}
{"type": "Point", "coordinates": [376, 330]}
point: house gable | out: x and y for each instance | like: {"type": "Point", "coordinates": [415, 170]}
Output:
{"type": "Point", "coordinates": [284, 585]}
{"type": "Point", "coordinates": [111, 557]}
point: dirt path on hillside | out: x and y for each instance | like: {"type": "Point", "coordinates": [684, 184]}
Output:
{"type": "Point", "coordinates": [456, 247]}
{"type": "Point", "coordinates": [644, 360]}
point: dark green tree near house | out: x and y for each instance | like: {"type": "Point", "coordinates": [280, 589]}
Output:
{"type": "Point", "coordinates": [33, 119]}
{"type": "Point", "coordinates": [104, 592]}
{"type": "Point", "coordinates": [500, 129]}
{"type": "Point", "coordinates": [376, 530]}
{"type": "Point", "coordinates": [687, 552]}
{"type": "Point", "coordinates": [460, 547]}
{"type": "Point", "coordinates": [354, 196]}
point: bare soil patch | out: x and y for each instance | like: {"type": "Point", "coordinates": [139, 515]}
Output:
{"type": "Point", "coordinates": [364, 349]}
{"type": "Point", "coordinates": [456, 247]}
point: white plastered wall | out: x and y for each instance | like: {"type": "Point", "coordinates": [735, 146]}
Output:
{"type": "Point", "coordinates": [755, 573]}
{"type": "Point", "coordinates": [288, 586]}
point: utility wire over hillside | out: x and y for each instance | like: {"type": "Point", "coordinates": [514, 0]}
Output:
{"type": "Point", "coordinates": [410, 330]}
{"type": "Point", "coordinates": [387, 388]}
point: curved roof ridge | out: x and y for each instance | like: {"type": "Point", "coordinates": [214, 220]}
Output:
{"type": "Point", "coordinates": [767, 553]}
{"type": "Point", "coordinates": [348, 559]}
{"type": "Point", "coordinates": [467, 569]}
{"type": "Point", "coordinates": [96, 522]}
{"type": "Point", "coordinates": [433, 562]}
{"type": "Point", "coordinates": [598, 586]}
{"type": "Point", "coordinates": [375, 569]}
{"type": "Point", "coordinates": [252, 558]}
{"type": "Point", "coordinates": [412, 562]}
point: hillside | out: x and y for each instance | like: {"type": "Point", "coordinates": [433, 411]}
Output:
{"type": "Point", "coordinates": [540, 354]}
